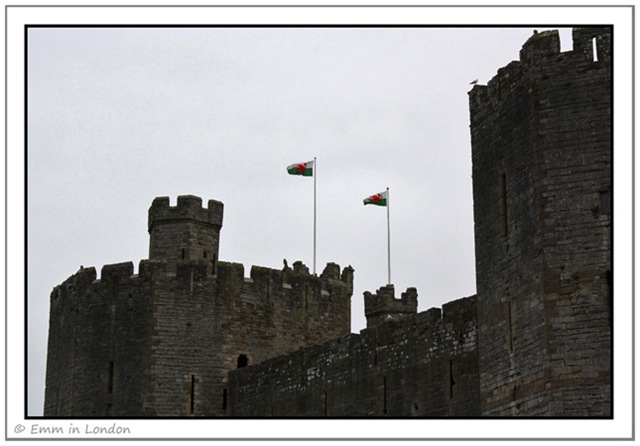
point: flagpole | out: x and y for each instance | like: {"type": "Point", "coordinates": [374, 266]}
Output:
{"type": "Point", "coordinates": [388, 240]}
{"type": "Point", "coordinates": [315, 174]}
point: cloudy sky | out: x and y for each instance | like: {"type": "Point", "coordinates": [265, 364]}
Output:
{"type": "Point", "coordinates": [119, 116]}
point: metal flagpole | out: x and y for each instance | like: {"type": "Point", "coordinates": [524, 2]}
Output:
{"type": "Point", "coordinates": [388, 240]}
{"type": "Point", "coordinates": [315, 174]}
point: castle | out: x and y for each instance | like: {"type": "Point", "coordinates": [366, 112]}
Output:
{"type": "Point", "coordinates": [190, 335]}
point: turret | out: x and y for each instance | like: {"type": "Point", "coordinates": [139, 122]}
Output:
{"type": "Point", "coordinates": [383, 306]}
{"type": "Point", "coordinates": [186, 231]}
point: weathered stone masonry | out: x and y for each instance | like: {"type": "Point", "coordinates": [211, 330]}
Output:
{"type": "Point", "coordinates": [421, 365]}
{"type": "Point", "coordinates": [541, 143]}
{"type": "Point", "coordinates": [161, 342]}
{"type": "Point", "coordinates": [190, 335]}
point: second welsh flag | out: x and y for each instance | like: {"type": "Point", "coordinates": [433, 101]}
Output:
{"type": "Point", "coordinates": [304, 169]}
{"type": "Point", "coordinates": [377, 199]}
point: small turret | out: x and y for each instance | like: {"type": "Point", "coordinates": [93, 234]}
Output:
{"type": "Point", "coordinates": [185, 232]}
{"type": "Point", "coordinates": [383, 306]}
{"type": "Point", "coordinates": [539, 46]}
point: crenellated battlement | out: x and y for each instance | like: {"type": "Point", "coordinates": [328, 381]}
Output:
{"type": "Point", "coordinates": [77, 283]}
{"type": "Point", "coordinates": [539, 46]}
{"type": "Point", "coordinates": [541, 57]}
{"type": "Point", "coordinates": [286, 276]}
{"type": "Point", "coordinates": [191, 336]}
{"type": "Point", "coordinates": [261, 282]}
{"type": "Point", "coordinates": [541, 138]}
{"type": "Point", "coordinates": [186, 231]}
{"type": "Point", "coordinates": [188, 208]}
{"type": "Point", "coordinates": [424, 364]}
{"type": "Point", "coordinates": [383, 306]}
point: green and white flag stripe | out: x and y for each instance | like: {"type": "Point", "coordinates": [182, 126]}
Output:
{"type": "Point", "coordinates": [377, 199]}
{"type": "Point", "coordinates": [304, 169]}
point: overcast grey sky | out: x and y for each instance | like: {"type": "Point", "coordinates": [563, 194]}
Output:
{"type": "Point", "coordinates": [119, 116]}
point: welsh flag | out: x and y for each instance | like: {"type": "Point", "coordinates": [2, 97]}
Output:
{"type": "Point", "coordinates": [377, 199]}
{"type": "Point", "coordinates": [304, 169]}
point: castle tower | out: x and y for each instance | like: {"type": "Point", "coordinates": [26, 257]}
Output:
{"type": "Point", "coordinates": [383, 306]}
{"type": "Point", "coordinates": [541, 147]}
{"type": "Point", "coordinates": [162, 342]}
{"type": "Point", "coordinates": [185, 232]}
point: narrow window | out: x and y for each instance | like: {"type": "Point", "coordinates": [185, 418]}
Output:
{"type": "Point", "coordinates": [451, 381]}
{"type": "Point", "coordinates": [605, 203]}
{"type": "Point", "coordinates": [213, 264]}
{"type": "Point", "coordinates": [110, 379]}
{"type": "Point", "coordinates": [204, 254]}
{"type": "Point", "coordinates": [594, 44]}
{"type": "Point", "coordinates": [224, 399]}
{"type": "Point", "coordinates": [325, 404]}
{"type": "Point", "coordinates": [384, 395]}
{"type": "Point", "coordinates": [192, 405]}
{"type": "Point", "coordinates": [243, 361]}
{"type": "Point", "coordinates": [182, 253]}
{"type": "Point", "coordinates": [510, 324]}
{"type": "Point", "coordinates": [610, 296]}
{"type": "Point", "coordinates": [505, 209]}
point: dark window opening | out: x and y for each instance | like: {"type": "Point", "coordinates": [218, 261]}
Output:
{"type": "Point", "coordinates": [605, 203]}
{"type": "Point", "coordinates": [505, 209]}
{"type": "Point", "coordinates": [325, 404]}
{"type": "Point", "coordinates": [610, 296]}
{"type": "Point", "coordinates": [213, 264]}
{"type": "Point", "coordinates": [204, 254]}
{"type": "Point", "coordinates": [451, 381]}
{"type": "Point", "coordinates": [384, 395]}
{"type": "Point", "coordinates": [510, 325]}
{"type": "Point", "coordinates": [110, 380]}
{"type": "Point", "coordinates": [243, 361]}
{"type": "Point", "coordinates": [224, 399]}
{"type": "Point", "coordinates": [182, 253]}
{"type": "Point", "coordinates": [192, 405]}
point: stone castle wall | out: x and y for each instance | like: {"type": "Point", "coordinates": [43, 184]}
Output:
{"type": "Point", "coordinates": [161, 342]}
{"type": "Point", "coordinates": [95, 329]}
{"type": "Point", "coordinates": [190, 335]}
{"type": "Point", "coordinates": [421, 365]}
{"type": "Point", "coordinates": [541, 139]}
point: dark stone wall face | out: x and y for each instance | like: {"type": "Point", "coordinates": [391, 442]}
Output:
{"type": "Point", "coordinates": [275, 312]}
{"type": "Point", "coordinates": [383, 307]}
{"type": "Point", "coordinates": [536, 341]}
{"type": "Point", "coordinates": [541, 141]}
{"type": "Point", "coordinates": [185, 368]}
{"type": "Point", "coordinates": [422, 365]}
{"type": "Point", "coordinates": [186, 231]}
{"type": "Point", "coordinates": [96, 328]}
{"type": "Point", "coordinates": [160, 343]}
